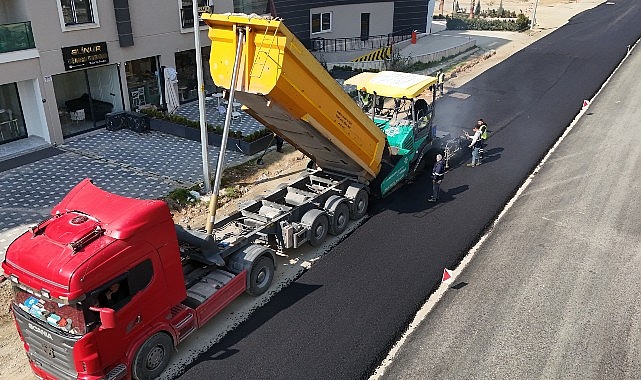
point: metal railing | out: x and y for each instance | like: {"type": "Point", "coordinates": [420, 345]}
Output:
{"type": "Point", "coordinates": [17, 36]}
{"type": "Point", "coordinates": [357, 43]}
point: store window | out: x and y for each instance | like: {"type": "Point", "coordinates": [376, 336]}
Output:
{"type": "Point", "coordinates": [321, 22]}
{"type": "Point", "coordinates": [85, 97]}
{"type": "Point", "coordinates": [142, 82]}
{"type": "Point", "coordinates": [77, 11]}
{"type": "Point", "coordinates": [12, 125]}
{"type": "Point", "coordinates": [187, 79]}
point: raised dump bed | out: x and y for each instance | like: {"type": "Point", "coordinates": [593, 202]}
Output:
{"type": "Point", "coordinates": [283, 86]}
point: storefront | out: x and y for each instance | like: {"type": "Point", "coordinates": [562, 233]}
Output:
{"type": "Point", "coordinates": [88, 91]}
{"type": "Point", "coordinates": [12, 124]}
{"type": "Point", "coordinates": [187, 80]}
{"type": "Point", "coordinates": [143, 82]}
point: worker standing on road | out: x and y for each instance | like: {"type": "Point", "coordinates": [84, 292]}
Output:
{"type": "Point", "coordinates": [475, 144]}
{"type": "Point", "coordinates": [483, 129]}
{"type": "Point", "coordinates": [437, 177]}
{"type": "Point", "coordinates": [279, 143]}
{"type": "Point", "coordinates": [440, 80]}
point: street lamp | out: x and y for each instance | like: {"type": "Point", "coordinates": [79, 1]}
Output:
{"type": "Point", "coordinates": [536, 3]}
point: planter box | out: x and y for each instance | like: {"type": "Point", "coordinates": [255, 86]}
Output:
{"type": "Point", "coordinates": [179, 130]}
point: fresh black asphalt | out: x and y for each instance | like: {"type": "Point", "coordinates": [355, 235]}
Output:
{"type": "Point", "coordinates": [342, 316]}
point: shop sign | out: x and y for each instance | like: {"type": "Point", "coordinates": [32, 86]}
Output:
{"type": "Point", "coordinates": [81, 56]}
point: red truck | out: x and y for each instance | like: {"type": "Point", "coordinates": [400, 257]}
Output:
{"type": "Point", "coordinates": [104, 290]}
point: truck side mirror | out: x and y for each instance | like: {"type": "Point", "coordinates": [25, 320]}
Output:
{"type": "Point", "coordinates": [107, 316]}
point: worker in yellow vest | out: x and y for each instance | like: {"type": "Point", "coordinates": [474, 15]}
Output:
{"type": "Point", "coordinates": [483, 129]}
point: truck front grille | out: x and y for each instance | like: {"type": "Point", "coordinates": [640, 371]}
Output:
{"type": "Point", "coordinates": [49, 348]}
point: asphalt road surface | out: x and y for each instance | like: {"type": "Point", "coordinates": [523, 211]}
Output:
{"type": "Point", "coordinates": [342, 316]}
{"type": "Point", "coordinates": [554, 291]}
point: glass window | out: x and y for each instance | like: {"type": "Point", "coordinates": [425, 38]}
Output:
{"type": "Point", "coordinates": [77, 11]}
{"type": "Point", "coordinates": [187, 11]}
{"type": "Point", "coordinates": [187, 77]}
{"type": "Point", "coordinates": [321, 22]}
{"type": "Point", "coordinates": [12, 125]}
{"type": "Point", "coordinates": [251, 6]}
{"type": "Point", "coordinates": [142, 82]}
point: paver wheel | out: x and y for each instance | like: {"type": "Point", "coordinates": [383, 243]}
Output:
{"type": "Point", "coordinates": [152, 357]}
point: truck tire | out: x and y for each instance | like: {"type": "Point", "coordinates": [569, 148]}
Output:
{"type": "Point", "coordinates": [359, 204]}
{"type": "Point", "coordinates": [339, 209]}
{"type": "Point", "coordinates": [260, 276]}
{"type": "Point", "coordinates": [152, 357]}
{"type": "Point", "coordinates": [318, 223]}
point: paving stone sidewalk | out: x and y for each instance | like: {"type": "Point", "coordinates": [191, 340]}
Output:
{"type": "Point", "coordinates": [147, 165]}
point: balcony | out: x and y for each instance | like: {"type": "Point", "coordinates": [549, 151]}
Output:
{"type": "Point", "coordinates": [17, 36]}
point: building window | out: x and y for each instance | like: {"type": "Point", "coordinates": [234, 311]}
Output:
{"type": "Point", "coordinates": [187, 11]}
{"type": "Point", "coordinates": [252, 6]}
{"type": "Point", "coordinates": [321, 22]}
{"type": "Point", "coordinates": [77, 11]}
{"type": "Point", "coordinates": [187, 77]}
{"type": "Point", "coordinates": [142, 82]}
{"type": "Point", "coordinates": [12, 125]}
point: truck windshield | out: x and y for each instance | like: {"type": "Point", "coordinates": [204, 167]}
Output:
{"type": "Point", "coordinates": [73, 319]}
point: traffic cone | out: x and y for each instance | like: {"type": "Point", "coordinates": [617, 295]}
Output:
{"type": "Point", "coordinates": [586, 103]}
{"type": "Point", "coordinates": [447, 275]}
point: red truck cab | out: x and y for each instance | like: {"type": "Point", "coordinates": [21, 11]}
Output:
{"type": "Point", "coordinates": [100, 290]}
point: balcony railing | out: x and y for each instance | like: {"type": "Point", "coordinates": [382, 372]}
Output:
{"type": "Point", "coordinates": [357, 43]}
{"type": "Point", "coordinates": [14, 37]}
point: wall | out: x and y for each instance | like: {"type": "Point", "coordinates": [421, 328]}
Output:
{"type": "Point", "coordinates": [346, 20]}
{"type": "Point", "coordinates": [408, 14]}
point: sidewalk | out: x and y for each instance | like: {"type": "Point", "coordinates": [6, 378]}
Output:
{"type": "Point", "coordinates": [148, 165]}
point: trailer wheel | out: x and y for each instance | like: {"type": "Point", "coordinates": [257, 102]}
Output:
{"type": "Point", "coordinates": [318, 225]}
{"type": "Point", "coordinates": [359, 206]}
{"type": "Point", "coordinates": [152, 357]}
{"type": "Point", "coordinates": [339, 209]}
{"type": "Point", "coordinates": [261, 276]}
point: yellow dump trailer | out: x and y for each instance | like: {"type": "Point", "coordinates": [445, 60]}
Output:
{"type": "Point", "coordinates": [284, 87]}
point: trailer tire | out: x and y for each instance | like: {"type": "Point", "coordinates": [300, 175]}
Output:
{"type": "Point", "coordinates": [339, 209]}
{"type": "Point", "coordinates": [318, 223]}
{"type": "Point", "coordinates": [260, 276]}
{"type": "Point", "coordinates": [152, 357]}
{"type": "Point", "coordinates": [359, 204]}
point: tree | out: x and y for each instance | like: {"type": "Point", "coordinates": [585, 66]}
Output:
{"type": "Point", "coordinates": [477, 10]}
{"type": "Point", "coordinates": [472, 9]}
{"type": "Point", "coordinates": [500, 13]}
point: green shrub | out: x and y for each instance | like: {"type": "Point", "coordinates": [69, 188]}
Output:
{"type": "Point", "coordinates": [519, 24]}
{"type": "Point", "coordinates": [218, 129]}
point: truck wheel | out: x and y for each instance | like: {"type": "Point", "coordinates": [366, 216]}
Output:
{"type": "Point", "coordinates": [318, 225]}
{"type": "Point", "coordinates": [261, 276]}
{"type": "Point", "coordinates": [152, 357]}
{"type": "Point", "coordinates": [359, 206]}
{"type": "Point", "coordinates": [338, 207]}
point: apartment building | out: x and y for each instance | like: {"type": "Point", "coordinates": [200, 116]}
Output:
{"type": "Point", "coordinates": [66, 64]}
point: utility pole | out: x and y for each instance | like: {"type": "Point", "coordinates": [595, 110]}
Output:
{"type": "Point", "coordinates": [201, 98]}
{"type": "Point", "coordinates": [536, 3]}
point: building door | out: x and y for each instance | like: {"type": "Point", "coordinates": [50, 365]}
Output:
{"type": "Point", "coordinates": [12, 126]}
{"type": "Point", "coordinates": [364, 26]}
{"type": "Point", "coordinates": [85, 97]}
